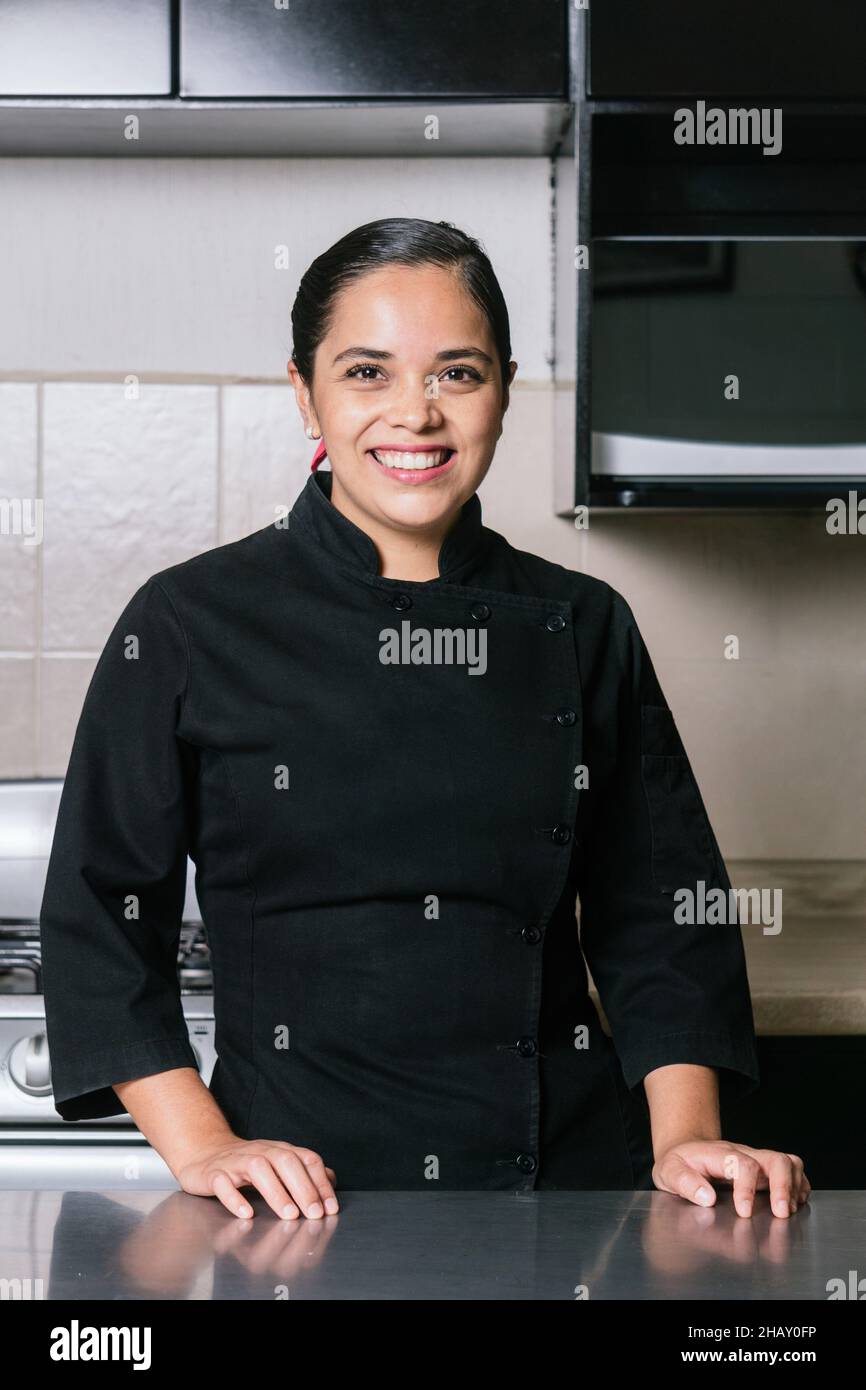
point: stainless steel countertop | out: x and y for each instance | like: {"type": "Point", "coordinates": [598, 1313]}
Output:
{"type": "Point", "coordinates": [135, 1243]}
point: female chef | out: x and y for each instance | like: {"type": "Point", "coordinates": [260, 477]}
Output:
{"type": "Point", "coordinates": [399, 751]}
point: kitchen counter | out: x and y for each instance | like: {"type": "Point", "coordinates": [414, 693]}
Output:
{"type": "Point", "coordinates": [134, 1243]}
{"type": "Point", "coordinates": [814, 983]}
{"type": "Point", "coordinates": [809, 977]}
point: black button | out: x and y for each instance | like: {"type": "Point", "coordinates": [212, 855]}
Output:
{"type": "Point", "coordinates": [401, 601]}
{"type": "Point", "coordinates": [555, 622]}
{"type": "Point", "coordinates": [560, 834]}
{"type": "Point", "coordinates": [531, 935]}
{"type": "Point", "coordinates": [527, 1047]}
{"type": "Point", "coordinates": [480, 612]}
{"type": "Point", "coordinates": [527, 1163]}
{"type": "Point", "coordinates": [565, 716]}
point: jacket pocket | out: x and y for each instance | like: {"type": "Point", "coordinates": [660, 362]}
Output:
{"type": "Point", "coordinates": [682, 841]}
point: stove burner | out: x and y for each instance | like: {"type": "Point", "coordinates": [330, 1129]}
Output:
{"type": "Point", "coordinates": [21, 958]}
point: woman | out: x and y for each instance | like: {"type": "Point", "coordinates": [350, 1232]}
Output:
{"type": "Point", "coordinates": [397, 750]}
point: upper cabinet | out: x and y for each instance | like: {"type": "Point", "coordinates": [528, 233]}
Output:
{"type": "Point", "coordinates": [367, 49]}
{"type": "Point", "coordinates": [285, 77]}
{"type": "Point", "coordinates": [87, 48]}
{"type": "Point", "coordinates": [775, 48]}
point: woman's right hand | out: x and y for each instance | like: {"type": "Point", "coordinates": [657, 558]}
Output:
{"type": "Point", "coordinates": [291, 1179]}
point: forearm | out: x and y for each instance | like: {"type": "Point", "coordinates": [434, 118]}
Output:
{"type": "Point", "coordinates": [176, 1113]}
{"type": "Point", "coordinates": [683, 1102]}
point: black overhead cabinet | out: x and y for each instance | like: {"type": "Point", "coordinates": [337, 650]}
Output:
{"type": "Point", "coordinates": [253, 78]}
{"type": "Point", "coordinates": [778, 48]}
{"type": "Point", "coordinates": [721, 201]}
{"type": "Point", "coordinates": [364, 49]}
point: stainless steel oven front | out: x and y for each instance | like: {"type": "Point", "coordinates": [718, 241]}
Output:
{"type": "Point", "coordinates": [33, 1138]}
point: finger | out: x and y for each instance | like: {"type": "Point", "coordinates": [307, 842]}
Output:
{"type": "Point", "coordinates": [781, 1175]}
{"type": "Point", "coordinates": [294, 1174]}
{"type": "Point", "coordinates": [799, 1179]}
{"type": "Point", "coordinates": [745, 1171]}
{"type": "Point", "coordinates": [679, 1177]}
{"type": "Point", "coordinates": [223, 1188]}
{"type": "Point", "coordinates": [801, 1183]}
{"type": "Point", "coordinates": [262, 1175]}
{"type": "Point", "coordinates": [778, 1174]}
{"type": "Point", "coordinates": [315, 1166]}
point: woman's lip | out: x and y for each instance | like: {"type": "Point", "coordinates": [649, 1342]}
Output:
{"type": "Point", "coordinates": [414, 476]}
{"type": "Point", "coordinates": [407, 448]}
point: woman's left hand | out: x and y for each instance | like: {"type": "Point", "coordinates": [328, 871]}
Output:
{"type": "Point", "coordinates": [685, 1167]}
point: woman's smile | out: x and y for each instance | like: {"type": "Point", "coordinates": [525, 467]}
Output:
{"type": "Point", "coordinates": [413, 463]}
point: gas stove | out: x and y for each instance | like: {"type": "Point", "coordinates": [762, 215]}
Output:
{"type": "Point", "coordinates": [21, 959]}
{"type": "Point", "coordinates": [30, 1127]}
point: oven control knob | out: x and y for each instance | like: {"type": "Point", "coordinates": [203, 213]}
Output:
{"type": "Point", "coordinates": [29, 1067]}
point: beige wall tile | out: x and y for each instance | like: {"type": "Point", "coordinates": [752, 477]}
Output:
{"type": "Point", "coordinates": [265, 457]}
{"type": "Point", "coordinates": [130, 488]}
{"type": "Point", "coordinates": [19, 516]}
{"type": "Point", "coordinates": [63, 685]}
{"type": "Point", "coordinates": [18, 720]}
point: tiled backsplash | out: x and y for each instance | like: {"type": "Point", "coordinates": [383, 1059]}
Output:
{"type": "Point", "coordinates": [127, 489]}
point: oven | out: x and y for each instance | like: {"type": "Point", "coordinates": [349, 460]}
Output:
{"type": "Point", "coordinates": [89, 1154]}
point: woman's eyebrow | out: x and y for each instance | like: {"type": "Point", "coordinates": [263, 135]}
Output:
{"type": "Point", "coordinates": [448, 355]}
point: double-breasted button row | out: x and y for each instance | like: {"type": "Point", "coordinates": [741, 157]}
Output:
{"type": "Point", "coordinates": [479, 612]}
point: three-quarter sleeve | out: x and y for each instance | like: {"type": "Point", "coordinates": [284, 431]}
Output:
{"type": "Point", "coordinates": [673, 991]}
{"type": "Point", "coordinates": [114, 892]}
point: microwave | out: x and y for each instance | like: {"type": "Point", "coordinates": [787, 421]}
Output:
{"type": "Point", "coordinates": [726, 371]}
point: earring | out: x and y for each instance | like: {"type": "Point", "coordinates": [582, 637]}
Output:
{"type": "Point", "coordinates": [311, 434]}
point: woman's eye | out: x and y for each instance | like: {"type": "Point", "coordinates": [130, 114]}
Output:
{"type": "Point", "coordinates": [362, 367]}
{"type": "Point", "coordinates": [473, 375]}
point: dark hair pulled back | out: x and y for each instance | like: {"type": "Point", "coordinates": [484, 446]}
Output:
{"type": "Point", "coordinates": [394, 241]}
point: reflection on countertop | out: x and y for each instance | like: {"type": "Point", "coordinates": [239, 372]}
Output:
{"type": "Point", "coordinates": [130, 1243]}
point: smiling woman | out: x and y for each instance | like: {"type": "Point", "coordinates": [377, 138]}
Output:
{"type": "Point", "coordinates": [402, 363]}
{"type": "Point", "coordinates": [389, 855]}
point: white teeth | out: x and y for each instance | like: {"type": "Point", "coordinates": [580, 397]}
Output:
{"type": "Point", "coordinates": [392, 459]}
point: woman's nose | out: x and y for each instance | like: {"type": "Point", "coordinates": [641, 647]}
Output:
{"type": "Point", "coordinates": [414, 404]}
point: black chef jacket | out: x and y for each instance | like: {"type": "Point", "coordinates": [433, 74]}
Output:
{"type": "Point", "coordinates": [388, 856]}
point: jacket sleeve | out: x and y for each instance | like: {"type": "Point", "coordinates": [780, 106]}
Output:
{"type": "Point", "coordinates": [673, 991]}
{"type": "Point", "coordinates": [113, 900]}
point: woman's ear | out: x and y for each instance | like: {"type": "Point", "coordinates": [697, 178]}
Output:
{"type": "Point", "coordinates": [506, 396]}
{"type": "Point", "coordinates": [303, 398]}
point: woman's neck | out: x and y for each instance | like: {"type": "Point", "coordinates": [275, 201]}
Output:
{"type": "Point", "coordinates": [409, 555]}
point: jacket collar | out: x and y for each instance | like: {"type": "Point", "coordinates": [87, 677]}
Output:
{"type": "Point", "coordinates": [322, 522]}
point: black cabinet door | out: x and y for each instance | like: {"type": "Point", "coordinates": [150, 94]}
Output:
{"type": "Point", "coordinates": [373, 48]}
{"type": "Point", "coordinates": [71, 48]}
{"type": "Point", "coordinates": [775, 48]}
